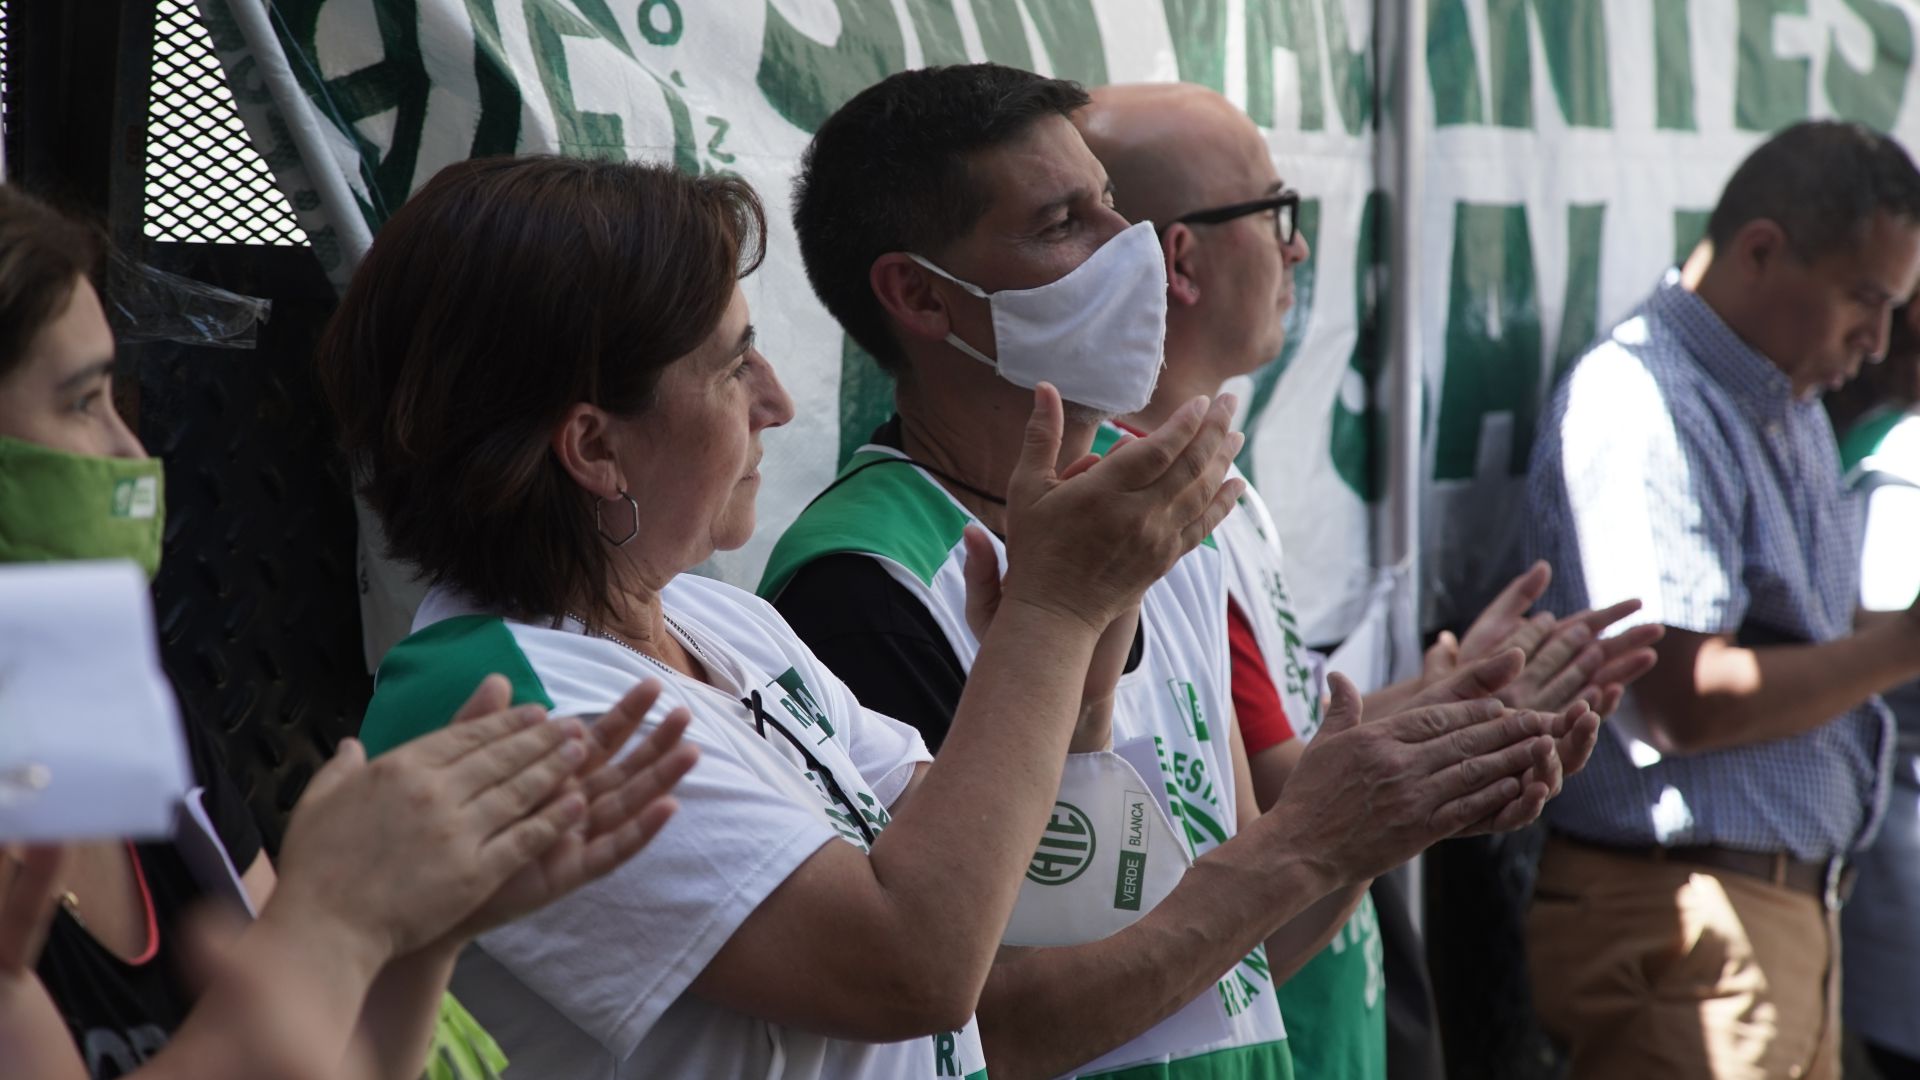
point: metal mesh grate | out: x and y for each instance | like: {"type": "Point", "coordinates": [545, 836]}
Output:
{"type": "Point", "coordinates": [205, 182]}
{"type": "Point", "coordinates": [3, 66]}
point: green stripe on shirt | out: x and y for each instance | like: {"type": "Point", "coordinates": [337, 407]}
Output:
{"type": "Point", "coordinates": [1263, 1061]}
{"type": "Point", "coordinates": [881, 505]}
{"type": "Point", "coordinates": [426, 678]}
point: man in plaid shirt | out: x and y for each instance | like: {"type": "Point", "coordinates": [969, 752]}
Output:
{"type": "Point", "coordinates": [1684, 921]}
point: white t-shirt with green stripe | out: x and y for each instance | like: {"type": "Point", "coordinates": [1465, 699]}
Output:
{"type": "Point", "coordinates": [594, 987]}
{"type": "Point", "coordinates": [1176, 701]}
{"type": "Point", "coordinates": [1338, 1000]}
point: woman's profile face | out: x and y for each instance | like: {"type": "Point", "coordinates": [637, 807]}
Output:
{"type": "Point", "coordinates": [692, 459]}
{"type": "Point", "coordinates": [60, 395]}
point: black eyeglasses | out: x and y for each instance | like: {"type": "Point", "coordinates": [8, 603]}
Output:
{"type": "Point", "coordinates": [1285, 207]}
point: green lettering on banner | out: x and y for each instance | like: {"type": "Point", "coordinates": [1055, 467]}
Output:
{"type": "Point", "coordinates": [398, 83]}
{"type": "Point", "coordinates": [1067, 28]}
{"type": "Point", "coordinates": [1873, 96]}
{"type": "Point", "coordinates": [1580, 318]}
{"type": "Point", "coordinates": [1769, 92]}
{"type": "Point", "coordinates": [684, 157]}
{"type": "Point", "coordinates": [938, 29]}
{"type": "Point", "coordinates": [660, 21]}
{"type": "Point", "coordinates": [498, 131]}
{"type": "Point", "coordinates": [1267, 378]}
{"type": "Point", "coordinates": [604, 24]}
{"type": "Point", "coordinates": [719, 127]}
{"type": "Point", "coordinates": [578, 132]}
{"type": "Point", "coordinates": [1453, 71]}
{"type": "Point", "coordinates": [1356, 436]}
{"type": "Point", "coordinates": [1689, 228]}
{"type": "Point", "coordinates": [1001, 33]}
{"type": "Point", "coordinates": [1301, 28]}
{"type": "Point", "coordinates": [1352, 69]}
{"type": "Point", "coordinates": [1673, 67]}
{"type": "Point", "coordinates": [1199, 32]}
{"type": "Point", "coordinates": [1283, 24]}
{"type": "Point", "coordinates": [1071, 35]}
{"type": "Point", "coordinates": [1493, 339]}
{"type": "Point", "coordinates": [805, 81]}
{"type": "Point", "coordinates": [1574, 34]}
{"type": "Point", "coordinates": [1068, 32]}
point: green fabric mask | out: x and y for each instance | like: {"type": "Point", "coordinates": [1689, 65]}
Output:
{"type": "Point", "coordinates": [56, 506]}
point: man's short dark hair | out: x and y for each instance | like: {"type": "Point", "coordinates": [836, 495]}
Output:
{"type": "Point", "coordinates": [1822, 182]}
{"type": "Point", "coordinates": [888, 172]}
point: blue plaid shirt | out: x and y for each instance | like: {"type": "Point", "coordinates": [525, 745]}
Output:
{"type": "Point", "coordinates": [1676, 465]}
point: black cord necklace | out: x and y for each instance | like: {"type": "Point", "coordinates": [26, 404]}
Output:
{"type": "Point", "coordinates": [997, 500]}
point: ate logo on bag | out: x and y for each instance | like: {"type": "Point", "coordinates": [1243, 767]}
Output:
{"type": "Point", "coordinates": [1065, 848]}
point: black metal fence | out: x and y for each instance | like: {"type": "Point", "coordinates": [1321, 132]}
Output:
{"type": "Point", "coordinates": [116, 110]}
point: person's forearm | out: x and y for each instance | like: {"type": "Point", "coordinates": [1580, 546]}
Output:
{"type": "Point", "coordinates": [1741, 696]}
{"type": "Point", "coordinates": [977, 815]}
{"type": "Point", "coordinates": [1046, 1011]}
{"type": "Point", "coordinates": [1093, 728]}
{"type": "Point", "coordinates": [1303, 936]}
{"type": "Point", "coordinates": [402, 1008]}
{"type": "Point", "coordinates": [1867, 620]}
{"type": "Point", "coordinates": [33, 1036]}
{"type": "Point", "coordinates": [290, 994]}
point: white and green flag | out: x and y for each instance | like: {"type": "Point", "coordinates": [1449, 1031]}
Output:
{"type": "Point", "coordinates": [1570, 149]}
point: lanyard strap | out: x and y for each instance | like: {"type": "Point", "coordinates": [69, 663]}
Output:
{"type": "Point", "coordinates": [761, 718]}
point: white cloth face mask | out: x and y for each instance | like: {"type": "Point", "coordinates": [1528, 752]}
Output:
{"type": "Point", "coordinates": [1099, 334]}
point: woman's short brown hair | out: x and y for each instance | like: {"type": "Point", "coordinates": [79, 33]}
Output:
{"type": "Point", "coordinates": [504, 292]}
{"type": "Point", "coordinates": [42, 255]}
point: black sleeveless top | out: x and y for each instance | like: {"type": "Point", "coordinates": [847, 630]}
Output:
{"type": "Point", "coordinates": [119, 1013]}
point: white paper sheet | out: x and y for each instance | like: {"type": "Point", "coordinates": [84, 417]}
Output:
{"type": "Point", "coordinates": [90, 738]}
{"type": "Point", "coordinates": [198, 843]}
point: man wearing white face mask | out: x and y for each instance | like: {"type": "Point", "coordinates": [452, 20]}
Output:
{"type": "Point", "coordinates": [959, 229]}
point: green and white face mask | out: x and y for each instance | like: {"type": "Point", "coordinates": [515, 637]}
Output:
{"type": "Point", "coordinates": [59, 507]}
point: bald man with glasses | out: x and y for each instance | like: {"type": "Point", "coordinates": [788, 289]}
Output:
{"type": "Point", "coordinates": [1186, 157]}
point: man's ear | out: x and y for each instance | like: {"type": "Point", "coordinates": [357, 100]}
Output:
{"type": "Point", "coordinates": [1759, 245]}
{"type": "Point", "coordinates": [584, 444]}
{"type": "Point", "coordinates": [1182, 252]}
{"type": "Point", "coordinates": [913, 296]}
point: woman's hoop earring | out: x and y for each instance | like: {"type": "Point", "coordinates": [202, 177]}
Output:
{"type": "Point", "coordinates": [633, 529]}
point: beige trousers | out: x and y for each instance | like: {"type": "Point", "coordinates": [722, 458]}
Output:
{"type": "Point", "coordinates": [1649, 970]}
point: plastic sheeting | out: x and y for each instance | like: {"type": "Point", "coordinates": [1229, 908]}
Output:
{"type": "Point", "coordinates": [149, 304]}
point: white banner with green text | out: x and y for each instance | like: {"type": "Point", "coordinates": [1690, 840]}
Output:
{"type": "Point", "coordinates": [1572, 150]}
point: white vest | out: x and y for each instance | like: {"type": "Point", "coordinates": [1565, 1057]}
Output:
{"type": "Point", "coordinates": [1250, 547]}
{"type": "Point", "coordinates": [1173, 709]}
